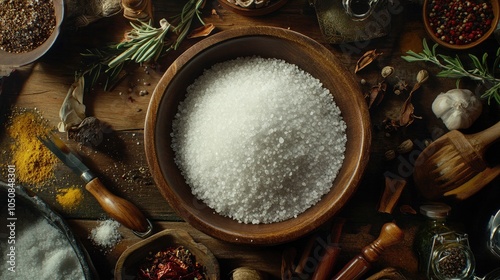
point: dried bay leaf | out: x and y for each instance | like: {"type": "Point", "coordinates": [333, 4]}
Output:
{"type": "Point", "coordinates": [72, 111]}
{"type": "Point", "coordinates": [406, 115]}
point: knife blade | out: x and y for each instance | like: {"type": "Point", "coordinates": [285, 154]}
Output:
{"type": "Point", "coordinates": [118, 208]}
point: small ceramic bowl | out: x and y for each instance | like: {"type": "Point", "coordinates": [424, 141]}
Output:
{"type": "Point", "coordinates": [127, 266]}
{"type": "Point", "coordinates": [430, 31]}
{"type": "Point", "coordinates": [253, 12]}
{"type": "Point", "coordinates": [19, 59]}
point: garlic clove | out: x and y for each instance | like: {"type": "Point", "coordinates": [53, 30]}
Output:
{"type": "Point", "coordinates": [455, 120]}
{"type": "Point", "coordinates": [441, 105]}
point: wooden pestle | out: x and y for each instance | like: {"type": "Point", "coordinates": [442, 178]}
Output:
{"type": "Point", "coordinates": [453, 160]}
{"type": "Point", "coordinates": [391, 234]}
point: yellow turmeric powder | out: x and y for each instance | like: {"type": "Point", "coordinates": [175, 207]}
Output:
{"type": "Point", "coordinates": [69, 198]}
{"type": "Point", "coordinates": [34, 162]}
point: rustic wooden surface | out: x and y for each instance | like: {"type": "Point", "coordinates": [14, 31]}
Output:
{"type": "Point", "coordinates": [122, 166]}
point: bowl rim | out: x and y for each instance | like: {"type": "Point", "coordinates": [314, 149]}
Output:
{"type": "Point", "coordinates": [496, 13]}
{"type": "Point", "coordinates": [263, 236]}
{"type": "Point", "coordinates": [9, 59]}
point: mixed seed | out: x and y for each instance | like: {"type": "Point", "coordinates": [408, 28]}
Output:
{"type": "Point", "coordinates": [25, 24]}
{"type": "Point", "coordinates": [459, 22]}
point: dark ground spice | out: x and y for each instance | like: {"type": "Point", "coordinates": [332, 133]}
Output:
{"type": "Point", "coordinates": [25, 24]}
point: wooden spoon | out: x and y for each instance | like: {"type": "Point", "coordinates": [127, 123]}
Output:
{"type": "Point", "coordinates": [452, 160]}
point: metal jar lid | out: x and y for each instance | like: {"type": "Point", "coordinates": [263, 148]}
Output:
{"type": "Point", "coordinates": [435, 211]}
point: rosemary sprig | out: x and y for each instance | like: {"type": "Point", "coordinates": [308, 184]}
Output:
{"type": "Point", "coordinates": [454, 68]}
{"type": "Point", "coordinates": [185, 18]}
{"type": "Point", "coordinates": [142, 44]}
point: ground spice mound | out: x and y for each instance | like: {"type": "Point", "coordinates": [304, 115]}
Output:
{"type": "Point", "coordinates": [69, 198]}
{"type": "Point", "coordinates": [34, 162]}
{"type": "Point", "coordinates": [258, 140]}
{"type": "Point", "coordinates": [25, 24]}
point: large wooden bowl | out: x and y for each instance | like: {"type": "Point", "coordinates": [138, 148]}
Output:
{"type": "Point", "coordinates": [265, 42]}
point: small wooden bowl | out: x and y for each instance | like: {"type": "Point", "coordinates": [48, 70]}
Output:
{"type": "Point", "coordinates": [127, 266]}
{"type": "Point", "coordinates": [271, 7]}
{"type": "Point", "coordinates": [20, 59]}
{"type": "Point", "coordinates": [430, 32]}
{"type": "Point", "coordinates": [268, 42]}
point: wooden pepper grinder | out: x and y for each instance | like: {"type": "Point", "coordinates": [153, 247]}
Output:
{"type": "Point", "coordinates": [141, 10]}
{"type": "Point", "coordinates": [390, 235]}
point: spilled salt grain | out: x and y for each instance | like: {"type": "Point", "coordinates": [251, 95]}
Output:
{"type": "Point", "coordinates": [106, 234]}
{"type": "Point", "coordinates": [258, 140]}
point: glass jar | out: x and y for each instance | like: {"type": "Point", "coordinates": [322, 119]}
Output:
{"type": "Point", "coordinates": [436, 215]}
{"type": "Point", "coordinates": [451, 257]}
{"type": "Point", "coordinates": [444, 254]}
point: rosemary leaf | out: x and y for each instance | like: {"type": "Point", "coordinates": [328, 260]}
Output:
{"type": "Point", "coordinates": [479, 66]}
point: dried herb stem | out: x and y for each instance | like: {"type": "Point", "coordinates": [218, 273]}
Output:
{"type": "Point", "coordinates": [191, 8]}
{"type": "Point", "coordinates": [144, 43]}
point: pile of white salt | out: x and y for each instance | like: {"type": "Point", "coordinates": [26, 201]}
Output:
{"type": "Point", "coordinates": [258, 140]}
{"type": "Point", "coordinates": [41, 250]}
{"type": "Point", "coordinates": [106, 234]}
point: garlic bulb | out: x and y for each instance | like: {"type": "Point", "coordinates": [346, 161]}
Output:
{"type": "Point", "coordinates": [457, 108]}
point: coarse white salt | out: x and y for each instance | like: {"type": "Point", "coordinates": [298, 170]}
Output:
{"type": "Point", "coordinates": [39, 250]}
{"type": "Point", "coordinates": [106, 234]}
{"type": "Point", "coordinates": [258, 140]}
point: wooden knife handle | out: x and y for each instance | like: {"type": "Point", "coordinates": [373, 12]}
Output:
{"type": "Point", "coordinates": [118, 208]}
{"type": "Point", "coordinates": [390, 235]}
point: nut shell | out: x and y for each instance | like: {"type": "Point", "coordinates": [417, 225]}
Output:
{"type": "Point", "coordinates": [405, 147]}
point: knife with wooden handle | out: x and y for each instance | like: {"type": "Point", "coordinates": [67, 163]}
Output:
{"type": "Point", "coordinates": [117, 208]}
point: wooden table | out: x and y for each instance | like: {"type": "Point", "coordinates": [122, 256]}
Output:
{"type": "Point", "coordinates": [44, 84]}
